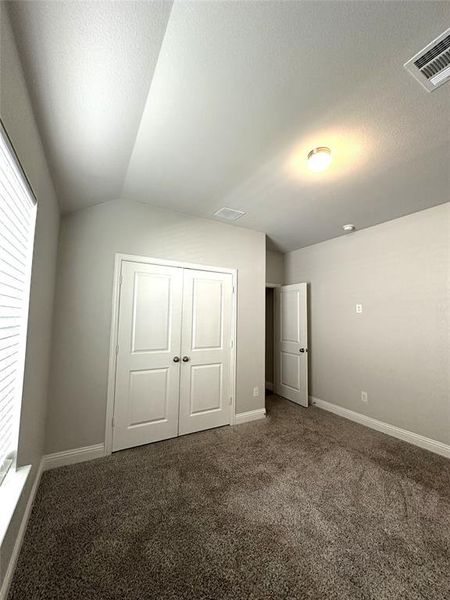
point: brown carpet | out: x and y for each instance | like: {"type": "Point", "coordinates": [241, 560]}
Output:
{"type": "Point", "coordinates": [302, 505]}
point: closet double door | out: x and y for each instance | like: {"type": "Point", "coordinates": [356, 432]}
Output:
{"type": "Point", "coordinates": [173, 367]}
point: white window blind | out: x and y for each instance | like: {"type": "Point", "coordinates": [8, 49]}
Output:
{"type": "Point", "coordinates": [17, 221]}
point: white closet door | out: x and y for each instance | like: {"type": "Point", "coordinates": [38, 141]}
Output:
{"type": "Point", "coordinates": [205, 389]}
{"type": "Point", "coordinates": [149, 339]}
{"type": "Point", "coordinates": [291, 350]}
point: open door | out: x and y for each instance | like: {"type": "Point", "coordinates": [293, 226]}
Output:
{"type": "Point", "coordinates": [291, 343]}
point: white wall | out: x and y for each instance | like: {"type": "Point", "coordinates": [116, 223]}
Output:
{"type": "Point", "coordinates": [274, 267]}
{"type": "Point", "coordinates": [17, 116]}
{"type": "Point", "coordinates": [398, 348]}
{"type": "Point", "coordinates": [89, 238]}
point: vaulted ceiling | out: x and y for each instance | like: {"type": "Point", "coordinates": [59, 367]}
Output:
{"type": "Point", "coordinates": [197, 105]}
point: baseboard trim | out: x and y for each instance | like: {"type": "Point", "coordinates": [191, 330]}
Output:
{"type": "Point", "coordinates": [269, 386]}
{"type": "Point", "coordinates": [20, 535]}
{"type": "Point", "coordinates": [251, 415]}
{"type": "Point", "coordinates": [397, 432]}
{"type": "Point", "coordinates": [71, 457]}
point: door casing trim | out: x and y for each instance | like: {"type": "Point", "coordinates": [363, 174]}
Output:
{"type": "Point", "coordinates": [119, 258]}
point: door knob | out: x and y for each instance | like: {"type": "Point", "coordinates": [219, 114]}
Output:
{"type": "Point", "coordinates": [185, 358]}
{"type": "Point", "coordinates": [303, 350]}
{"type": "Point", "coordinates": [176, 359]}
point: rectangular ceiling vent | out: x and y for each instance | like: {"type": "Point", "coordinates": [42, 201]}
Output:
{"type": "Point", "coordinates": [431, 66]}
{"type": "Point", "coordinates": [229, 214]}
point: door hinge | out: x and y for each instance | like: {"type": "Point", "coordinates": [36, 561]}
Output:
{"type": "Point", "coordinates": [120, 280]}
{"type": "Point", "coordinates": [117, 349]}
{"type": "Point", "coordinates": [234, 290]}
{"type": "Point", "coordinates": [112, 422]}
{"type": "Point", "coordinates": [231, 400]}
{"type": "Point", "coordinates": [231, 343]}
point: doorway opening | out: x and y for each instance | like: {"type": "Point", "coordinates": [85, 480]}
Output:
{"type": "Point", "coordinates": [286, 349]}
{"type": "Point", "coordinates": [270, 338]}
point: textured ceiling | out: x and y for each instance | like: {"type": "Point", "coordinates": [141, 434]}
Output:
{"type": "Point", "coordinates": [223, 100]}
{"type": "Point", "coordinates": [88, 66]}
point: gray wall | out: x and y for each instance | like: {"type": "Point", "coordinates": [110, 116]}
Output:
{"type": "Point", "coordinates": [89, 238]}
{"type": "Point", "coordinates": [274, 267]}
{"type": "Point", "coordinates": [18, 119]}
{"type": "Point", "coordinates": [398, 348]}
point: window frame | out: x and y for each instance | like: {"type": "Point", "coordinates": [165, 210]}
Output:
{"type": "Point", "coordinates": [10, 464]}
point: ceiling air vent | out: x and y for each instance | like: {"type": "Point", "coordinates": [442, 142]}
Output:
{"type": "Point", "coordinates": [230, 214]}
{"type": "Point", "coordinates": [431, 66]}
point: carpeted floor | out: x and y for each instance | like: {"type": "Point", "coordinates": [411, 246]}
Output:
{"type": "Point", "coordinates": [302, 505]}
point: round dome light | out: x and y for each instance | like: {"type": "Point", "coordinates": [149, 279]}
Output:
{"type": "Point", "coordinates": [319, 158]}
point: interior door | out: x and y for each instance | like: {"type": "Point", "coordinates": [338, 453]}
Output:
{"type": "Point", "coordinates": [205, 389]}
{"type": "Point", "coordinates": [291, 345]}
{"type": "Point", "coordinates": [148, 367]}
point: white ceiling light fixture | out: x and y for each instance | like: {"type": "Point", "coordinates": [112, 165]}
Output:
{"type": "Point", "coordinates": [319, 159]}
{"type": "Point", "coordinates": [348, 228]}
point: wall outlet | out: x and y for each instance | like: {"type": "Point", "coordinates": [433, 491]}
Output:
{"type": "Point", "coordinates": [364, 397]}
{"type": "Point", "coordinates": [359, 308]}
{"type": "Point", "coordinates": [255, 392]}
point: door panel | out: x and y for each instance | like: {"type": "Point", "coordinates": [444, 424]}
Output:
{"type": "Point", "coordinates": [290, 307]}
{"type": "Point", "coordinates": [149, 337]}
{"type": "Point", "coordinates": [207, 317]}
{"type": "Point", "coordinates": [150, 383]}
{"type": "Point", "coordinates": [291, 343]}
{"type": "Point", "coordinates": [151, 312]}
{"type": "Point", "coordinates": [206, 388]}
{"type": "Point", "coordinates": [205, 391]}
{"type": "Point", "coordinates": [290, 372]}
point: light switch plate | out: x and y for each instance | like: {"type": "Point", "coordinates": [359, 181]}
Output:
{"type": "Point", "coordinates": [359, 308]}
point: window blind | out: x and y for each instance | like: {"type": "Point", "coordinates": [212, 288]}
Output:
{"type": "Point", "coordinates": [17, 221]}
